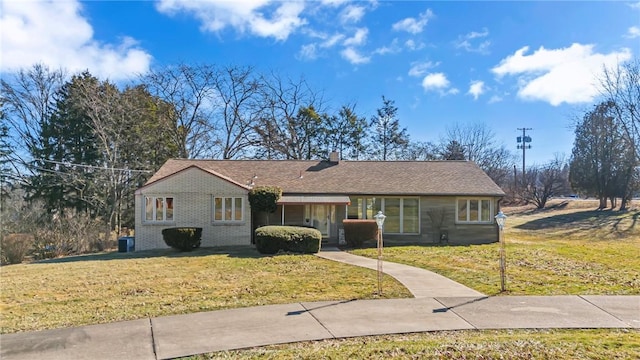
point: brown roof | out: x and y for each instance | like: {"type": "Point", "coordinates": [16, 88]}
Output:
{"type": "Point", "coordinates": [347, 177]}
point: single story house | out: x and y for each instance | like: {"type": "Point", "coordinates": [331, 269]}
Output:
{"type": "Point", "coordinates": [424, 201]}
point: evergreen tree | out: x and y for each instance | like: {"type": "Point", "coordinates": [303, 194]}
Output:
{"type": "Point", "coordinates": [345, 133]}
{"type": "Point", "coordinates": [388, 140]}
{"type": "Point", "coordinates": [65, 140]}
{"type": "Point", "coordinates": [603, 160]}
{"type": "Point", "coordinates": [453, 151]}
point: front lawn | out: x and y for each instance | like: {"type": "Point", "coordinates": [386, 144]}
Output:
{"type": "Point", "coordinates": [468, 344]}
{"type": "Point", "coordinates": [564, 250]}
{"type": "Point", "coordinates": [112, 287]}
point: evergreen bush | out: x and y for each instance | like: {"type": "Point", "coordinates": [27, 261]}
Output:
{"type": "Point", "coordinates": [183, 238]}
{"type": "Point", "coordinates": [271, 239]}
{"type": "Point", "coordinates": [356, 232]}
{"type": "Point", "coordinates": [264, 198]}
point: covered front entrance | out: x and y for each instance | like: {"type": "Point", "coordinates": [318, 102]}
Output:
{"type": "Point", "coordinates": [324, 213]}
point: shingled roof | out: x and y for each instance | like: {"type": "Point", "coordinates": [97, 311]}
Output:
{"type": "Point", "coordinates": [347, 177]}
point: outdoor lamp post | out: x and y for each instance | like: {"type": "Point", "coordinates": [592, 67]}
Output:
{"type": "Point", "coordinates": [501, 219]}
{"type": "Point", "coordinates": [380, 221]}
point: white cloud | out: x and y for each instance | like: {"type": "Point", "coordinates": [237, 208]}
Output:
{"type": "Point", "coordinates": [393, 48]}
{"type": "Point", "coordinates": [359, 38]}
{"type": "Point", "coordinates": [438, 82]}
{"type": "Point", "coordinates": [467, 42]}
{"type": "Point", "coordinates": [413, 25]}
{"type": "Point", "coordinates": [332, 40]}
{"type": "Point", "coordinates": [495, 99]}
{"type": "Point", "coordinates": [633, 32]}
{"type": "Point", "coordinates": [435, 81]}
{"type": "Point", "coordinates": [411, 45]}
{"type": "Point", "coordinates": [352, 14]}
{"type": "Point", "coordinates": [559, 75]}
{"type": "Point", "coordinates": [29, 36]}
{"type": "Point", "coordinates": [354, 57]}
{"type": "Point", "coordinates": [476, 88]}
{"type": "Point", "coordinates": [635, 5]}
{"type": "Point", "coordinates": [334, 3]}
{"type": "Point", "coordinates": [308, 52]}
{"type": "Point", "coordinates": [420, 68]}
{"type": "Point", "coordinates": [243, 16]}
{"type": "Point", "coordinates": [327, 40]}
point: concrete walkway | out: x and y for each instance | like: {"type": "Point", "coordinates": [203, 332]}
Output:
{"type": "Point", "coordinates": [183, 335]}
{"type": "Point", "coordinates": [422, 283]}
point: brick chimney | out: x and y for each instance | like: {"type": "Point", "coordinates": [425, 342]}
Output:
{"type": "Point", "coordinates": [334, 157]}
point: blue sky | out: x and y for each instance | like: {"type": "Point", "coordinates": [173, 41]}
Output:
{"type": "Point", "coordinates": [505, 64]}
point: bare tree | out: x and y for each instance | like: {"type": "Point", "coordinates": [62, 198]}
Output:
{"type": "Point", "coordinates": [621, 87]}
{"type": "Point", "coordinates": [545, 181]}
{"type": "Point", "coordinates": [191, 92]}
{"type": "Point", "coordinates": [238, 106]}
{"type": "Point", "coordinates": [27, 99]}
{"type": "Point", "coordinates": [289, 121]}
{"type": "Point", "coordinates": [480, 146]}
{"type": "Point", "coordinates": [420, 151]}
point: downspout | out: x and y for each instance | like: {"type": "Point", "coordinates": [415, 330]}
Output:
{"type": "Point", "coordinates": [493, 219]}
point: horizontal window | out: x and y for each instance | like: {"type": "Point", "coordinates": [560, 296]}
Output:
{"type": "Point", "coordinates": [228, 209]}
{"type": "Point", "coordinates": [402, 214]}
{"type": "Point", "coordinates": [473, 210]}
{"type": "Point", "coordinates": [158, 209]}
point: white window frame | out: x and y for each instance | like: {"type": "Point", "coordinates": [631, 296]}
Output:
{"type": "Point", "coordinates": [468, 220]}
{"type": "Point", "coordinates": [155, 209]}
{"type": "Point", "coordinates": [233, 209]}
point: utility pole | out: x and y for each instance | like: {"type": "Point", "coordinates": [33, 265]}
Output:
{"type": "Point", "coordinates": [524, 139]}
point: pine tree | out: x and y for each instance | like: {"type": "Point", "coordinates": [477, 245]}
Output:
{"type": "Point", "coordinates": [65, 140]}
{"type": "Point", "coordinates": [453, 151]}
{"type": "Point", "coordinates": [388, 139]}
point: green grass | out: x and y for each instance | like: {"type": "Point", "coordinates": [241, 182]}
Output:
{"type": "Point", "coordinates": [468, 344]}
{"type": "Point", "coordinates": [111, 287]}
{"type": "Point", "coordinates": [564, 250]}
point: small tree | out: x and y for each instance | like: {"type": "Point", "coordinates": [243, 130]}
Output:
{"type": "Point", "coordinates": [545, 181]}
{"type": "Point", "coordinates": [264, 200]}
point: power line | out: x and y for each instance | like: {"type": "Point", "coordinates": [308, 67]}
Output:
{"type": "Point", "coordinates": [93, 166]}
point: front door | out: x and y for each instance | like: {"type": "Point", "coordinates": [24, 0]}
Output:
{"type": "Point", "coordinates": [320, 218]}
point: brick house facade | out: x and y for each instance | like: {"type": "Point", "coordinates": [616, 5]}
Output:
{"type": "Point", "coordinates": [424, 200]}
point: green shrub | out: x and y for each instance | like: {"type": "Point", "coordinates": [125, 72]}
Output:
{"type": "Point", "coordinates": [182, 238]}
{"type": "Point", "coordinates": [264, 198]}
{"type": "Point", "coordinates": [271, 239]}
{"type": "Point", "coordinates": [358, 231]}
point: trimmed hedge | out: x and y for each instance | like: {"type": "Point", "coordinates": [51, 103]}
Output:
{"type": "Point", "coordinates": [182, 238]}
{"type": "Point", "coordinates": [264, 198]}
{"type": "Point", "coordinates": [357, 232]}
{"type": "Point", "coordinates": [271, 239]}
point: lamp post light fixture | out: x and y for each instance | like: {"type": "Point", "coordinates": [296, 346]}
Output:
{"type": "Point", "coordinates": [380, 221]}
{"type": "Point", "coordinates": [501, 219]}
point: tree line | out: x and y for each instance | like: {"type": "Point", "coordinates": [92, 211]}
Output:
{"type": "Point", "coordinates": [82, 145]}
{"type": "Point", "coordinates": [76, 146]}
